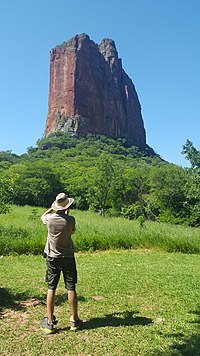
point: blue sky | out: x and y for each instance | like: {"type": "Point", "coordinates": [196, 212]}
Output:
{"type": "Point", "coordinates": [158, 41]}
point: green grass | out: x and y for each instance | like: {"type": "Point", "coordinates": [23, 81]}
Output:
{"type": "Point", "coordinates": [134, 298]}
{"type": "Point", "coordinates": [21, 232]}
{"type": "Point", "coordinates": [132, 303]}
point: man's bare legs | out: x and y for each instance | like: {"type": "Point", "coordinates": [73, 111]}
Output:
{"type": "Point", "coordinates": [72, 298]}
{"type": "Point", "coordinates": [50, 304]}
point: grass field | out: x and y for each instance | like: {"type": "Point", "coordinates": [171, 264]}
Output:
{"type": "Point", "coordinates": [21, 232]}
{"type": "Point", "coordinates": [133, 302]}
{"type": "Point", "coordinates": [138, 297]}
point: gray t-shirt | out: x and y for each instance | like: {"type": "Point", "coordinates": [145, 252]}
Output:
{"type": "Point", "coordinates": [60, 228]}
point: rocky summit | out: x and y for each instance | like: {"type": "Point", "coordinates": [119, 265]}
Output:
{"type": "Point", "coordinates": [90, 92]}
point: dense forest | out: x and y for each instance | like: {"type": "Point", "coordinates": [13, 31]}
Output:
{"type": "Point", "coordinates": [105, 175]}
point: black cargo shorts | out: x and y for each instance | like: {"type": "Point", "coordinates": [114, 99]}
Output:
{"type": "Point", "coordinates": [66, 265]}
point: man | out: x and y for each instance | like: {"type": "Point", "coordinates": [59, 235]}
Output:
{"type": "Point", "coordinates": [59, 252]}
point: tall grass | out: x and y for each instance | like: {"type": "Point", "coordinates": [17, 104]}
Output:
{"type": "Point", "coordinates": [95, 232]}
{"type": "Point", "coordinates": [22, 232]}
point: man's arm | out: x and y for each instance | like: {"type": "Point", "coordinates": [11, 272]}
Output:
{"type": "Point", "coordinates": [74, 227]}
{"type": "Point", "coordinates": [49, 211]}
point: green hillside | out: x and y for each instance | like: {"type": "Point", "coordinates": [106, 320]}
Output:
{"type": "Point", "coordinates": [104, 175]}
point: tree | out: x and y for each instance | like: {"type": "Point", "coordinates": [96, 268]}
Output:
{"type": "Point", "coordinates": [8, 156]}
{"type": "Point", "coordinates": [35, 184]}
{"type": "Point", "coordinates": [74, 177]}
{"type": "Point", "coordinates": [135, 191]}
{"type": "Point", "coordinates": [167, 194]}
{"type": "Point", "coordinates": [100, 190]}
{"type": "Point", "coordinates": [58, 139]}
{"type": "Point", "coordinates": [192, 201]}
{"type": "Point", "coordinates": [191, 154]}
{"type": "Point", "coordinates": [192, 187]}
{"type": "Point", "coordinates": [6, 192]}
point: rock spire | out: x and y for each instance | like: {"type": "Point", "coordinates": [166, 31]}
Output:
{"type": "Point", "coordinates": [90, 92]}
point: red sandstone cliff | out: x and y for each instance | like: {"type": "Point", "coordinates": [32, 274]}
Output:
{"type": "Point", "coordinates": [91, 93]}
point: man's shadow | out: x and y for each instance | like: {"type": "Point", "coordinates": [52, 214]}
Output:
{"type": "Point", "coordinates": [126, 318]}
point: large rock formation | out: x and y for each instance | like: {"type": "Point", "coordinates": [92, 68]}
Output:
{"type": "Point", "coordinates": [91, 93]}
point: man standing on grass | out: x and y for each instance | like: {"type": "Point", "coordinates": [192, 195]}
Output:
{"type": "Point", "coordinates": [59, 252]}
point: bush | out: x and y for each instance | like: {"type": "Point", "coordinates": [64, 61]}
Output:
{"type": "Point", "coordinates": [133, 211]}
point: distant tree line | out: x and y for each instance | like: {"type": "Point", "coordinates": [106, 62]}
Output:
{"type": "Point", "coordinates": [105, 175]}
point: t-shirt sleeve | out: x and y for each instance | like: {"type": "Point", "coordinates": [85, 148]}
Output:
{"type": "Point", "coordinates": [45, 218]}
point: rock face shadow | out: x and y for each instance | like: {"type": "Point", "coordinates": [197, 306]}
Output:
{"type": "Point", "coordinates": [10, 300]}
{"type": "Point", "coordinates": [17, 301]}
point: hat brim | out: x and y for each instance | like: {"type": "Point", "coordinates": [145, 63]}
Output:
{"type": "Point", "coordinates": [56, 207]}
